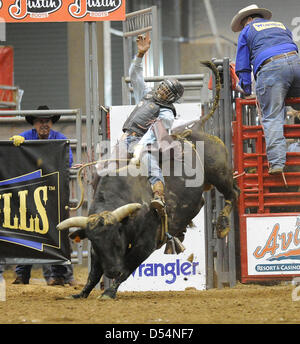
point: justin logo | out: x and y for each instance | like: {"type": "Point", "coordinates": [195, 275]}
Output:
{"type": "Point", "coordinates": [96, 8]}
{"type": "Point", "coordinates": [35, 8]}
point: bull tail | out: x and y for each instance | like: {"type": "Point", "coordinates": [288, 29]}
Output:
{"type": "Point", "coordinates": [215, 70]}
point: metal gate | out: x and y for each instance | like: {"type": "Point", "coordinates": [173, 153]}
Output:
{"type": "Point", "coordinates": [221, 253]}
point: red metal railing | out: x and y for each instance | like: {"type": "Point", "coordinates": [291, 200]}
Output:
{"type": "Point", "coordinates": [256, 184]}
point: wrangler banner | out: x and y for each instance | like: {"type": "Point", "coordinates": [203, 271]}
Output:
{"type": "Point", "coordinates": [34, 191]}
{"type": "Point", "coordinates": [21, 11]}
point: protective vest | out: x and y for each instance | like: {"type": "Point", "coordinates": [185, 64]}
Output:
{"type": "Point", "coordinates": [144, 114]}
{"type": "Point", "coordinates": [265, 35]}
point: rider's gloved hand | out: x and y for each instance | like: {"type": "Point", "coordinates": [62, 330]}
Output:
{"type": "Point", "coordinates": [143, 43]}
{"type": "Point", "coordinates": [138, 149]}
{"type": "Point", "coordinates": [18, 140]}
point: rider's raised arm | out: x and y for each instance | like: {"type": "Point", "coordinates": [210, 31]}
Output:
{"type": "Point", "coordinates": [136, 72]}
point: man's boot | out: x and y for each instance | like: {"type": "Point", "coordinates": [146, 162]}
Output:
{"type": "Point", "coordinates": [158, 201]}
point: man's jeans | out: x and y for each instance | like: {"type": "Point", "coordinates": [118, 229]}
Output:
{"type": "Point", "coordinates": [154, 171]}
{"type": "Point", "coordinates": [148, 160]}
{"type": "Point", "coordinates": [276, 81]}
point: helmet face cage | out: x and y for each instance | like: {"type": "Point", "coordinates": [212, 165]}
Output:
{"type": "Point", "coordinates": [169, 90]}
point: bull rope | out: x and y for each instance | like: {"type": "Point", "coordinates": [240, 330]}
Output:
{"type": "Point", "coordinates": [182, 137]}
{"type": "Point", "coordinates": [81, 185]}
{"type": "Point", "coordinates": [80, 181]}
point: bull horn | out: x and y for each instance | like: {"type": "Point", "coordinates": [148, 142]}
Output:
{"type": "Point", "coordinates": [76, 221]}
{"type": "Point", "coordinates": [120, 213]}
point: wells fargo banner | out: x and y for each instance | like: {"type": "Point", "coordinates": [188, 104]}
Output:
{"type": "Point", "coordinates": [12, 11]}
{"type": "Point", "coordinates": [34, 190]}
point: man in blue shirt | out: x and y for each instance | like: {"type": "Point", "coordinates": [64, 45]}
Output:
{"type": "Point", "coordinates": [42, 130]}
{"type": "Point", "coordinates": [267, 49]}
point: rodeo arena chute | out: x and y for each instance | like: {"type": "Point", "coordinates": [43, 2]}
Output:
{"type": "Point", "coordinates": [264, 237]}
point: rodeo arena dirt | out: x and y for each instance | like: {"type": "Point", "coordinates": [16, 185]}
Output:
{"type": "Point", "coordinates": [215, 240]}
{"type": "Point", "coordinates": [38, 303]}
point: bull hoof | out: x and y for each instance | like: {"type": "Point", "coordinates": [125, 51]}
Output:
{"type": "Point", "coordinates": [221, 234]}
{"type": "Point", "coordinates": [108, 294]}
{"type": "Point", "coordinates": [169, 248]}
{"type": "Point", "coordinates": [105, 297]}
{"type": "Point", "coordinates": [70, 297]}
{"type": "Point", "coordinates": [76, 296]}
{"type": "Point", "coordinates": [223, 226]}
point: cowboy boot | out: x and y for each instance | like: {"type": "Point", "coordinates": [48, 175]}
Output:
{"type": "Point", "coordinates": [158, 201]}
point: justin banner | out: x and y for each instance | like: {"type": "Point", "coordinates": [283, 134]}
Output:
{"type": "Point", "coordinates": [13, 11]}
{"type": "Point", "coordinates": [34, 191]}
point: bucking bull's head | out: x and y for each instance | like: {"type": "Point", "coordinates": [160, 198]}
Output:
{"type": "Point", "coordinates": [107, 233]}
{"type": "Point", "coordinates": [103, 218]}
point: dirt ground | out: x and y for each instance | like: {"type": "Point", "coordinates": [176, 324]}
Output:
{"type": "Point", "coordinates": [38, 303]}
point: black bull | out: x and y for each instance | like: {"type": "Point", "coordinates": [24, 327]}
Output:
{"type": "Point", "coordinates": [124, 231]}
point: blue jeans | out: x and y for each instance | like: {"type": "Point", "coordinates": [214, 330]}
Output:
{"type": "Point", "coordinates": [154, 171]}
{"type": "Point", "coordinates": [147, 159]}
{"type": "Point", "coordinates": [276, 81]}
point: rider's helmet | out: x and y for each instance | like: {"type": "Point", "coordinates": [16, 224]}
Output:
{"type": "Point", "coordinates": [169, 90]}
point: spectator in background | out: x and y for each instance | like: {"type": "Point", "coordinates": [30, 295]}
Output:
{"type": "Point", "coordinates": [42, 130]}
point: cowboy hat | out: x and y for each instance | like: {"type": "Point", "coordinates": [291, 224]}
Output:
{"type": "Point", "coordinates": [30, 119]}
{"type": "Point", "coordinates": [236, 23]}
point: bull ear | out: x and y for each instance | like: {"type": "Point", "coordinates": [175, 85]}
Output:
{"type": "Point", "coordinates": [120, 213]}
{"type": "Point", "coordinates": [78, 233]}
